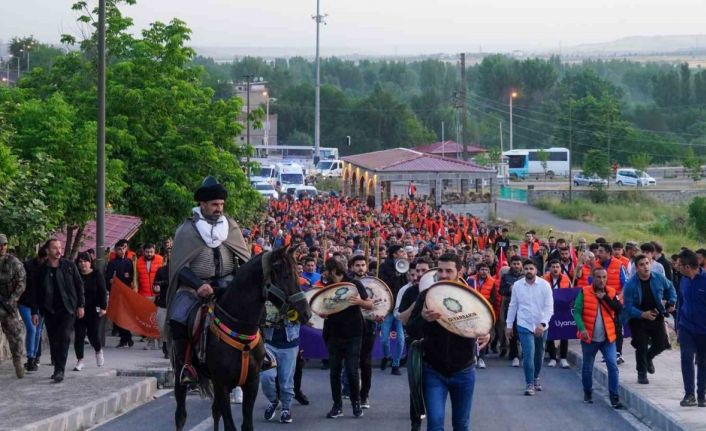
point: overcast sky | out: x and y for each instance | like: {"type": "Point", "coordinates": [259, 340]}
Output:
{"type": "Point", "coordinates": [383, 26]}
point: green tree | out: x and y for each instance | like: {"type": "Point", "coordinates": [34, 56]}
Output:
{"type": "Point", "coordinates": [692, 164]}
{"type": "Point", "coordinates": [596, 163]}
{"type": "Point", "coordinates": [640, 161]}
{"type": "Point", "coordinates": [543, 158]}
{"type": "Point", "coordinates": [697, 214]}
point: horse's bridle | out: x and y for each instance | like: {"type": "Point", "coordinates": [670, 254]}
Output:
{"type": "Point", "coordinates": [269, 287]}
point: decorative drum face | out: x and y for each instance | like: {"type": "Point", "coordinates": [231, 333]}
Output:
{"type": "Point", "coordinates": [316, 321]}
{"type": "Point", "coordinates": [333, 298]}
{"type": "Point", "coordinates": [463, 311]}
{"type": "Point", "coordinates": [381, 296]}
{"type": "Point", "coordinates": [428, 278]}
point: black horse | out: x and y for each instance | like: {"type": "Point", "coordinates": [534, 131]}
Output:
{"type": "Point", "coordinates": [269, 276]}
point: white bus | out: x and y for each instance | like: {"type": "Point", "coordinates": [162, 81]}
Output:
{"type": "Point", "coordinates": [524, 162]}
{"type": "Point", "coordinates": [301, 154]}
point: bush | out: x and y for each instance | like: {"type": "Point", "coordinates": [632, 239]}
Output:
{"type": "Point", "coordinates": [598, 194]}
{"type": "Point", "coordinates": [697, 214]}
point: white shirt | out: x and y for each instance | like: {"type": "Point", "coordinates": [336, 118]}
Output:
{"type": "Point", "coordinates": [532, 304]}
{"type": "Point", "coordinates": [400, 294]}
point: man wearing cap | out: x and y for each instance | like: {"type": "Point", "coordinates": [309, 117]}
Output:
{"type": "Point", "coordinates": [12, 284]}
{"type": "Point", "coordinates": [394, 280]}
{"type": "Point", "coordinates": [208, 248]}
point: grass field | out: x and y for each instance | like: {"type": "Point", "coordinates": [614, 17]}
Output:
{"type": "Point", "coordinates": [638, 219]}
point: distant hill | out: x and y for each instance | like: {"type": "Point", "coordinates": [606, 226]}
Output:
{"type": "Point", "coordinates": [679, 44]}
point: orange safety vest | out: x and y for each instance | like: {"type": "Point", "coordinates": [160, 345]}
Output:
{"type": "Point", "coordinates": [489, 291]}
{"type": "Point", "coordinates": [613, 269]}
{"type": "Point", "coordinates": [590, 311]}
{"type": "Point", "coordinates": [145, 279]}
{"type": "Point", "coordinates": [585, 273]}
{"type": "Point", "coordinates": [564, 281]}
{"type": "Point", "coordinates": [523, 249]}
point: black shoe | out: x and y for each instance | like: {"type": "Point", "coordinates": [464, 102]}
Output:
{"type": "Point", "coordinates": [383, 363]}
{"type": "Point", "coordinates": [301, 398]}
{"type": "Point", "coordinates": [688, 401]}
{"type": "Point", "coordinates": [270, 410]}
{"type": "Point", "coordinates": [58, 377]}
{"type": "Point", "coordinates": [615, 402]}
{"type": "Point", "coordinates": [31, 365]}
{"type": "Point", "coordinates": [335, 412]}
{"type": "Point", "coordinates": [702, 402]}
{"type": "Point", "coordinates": [357, 409]}
{"type": "Point", "coordinates": [121, 345]}
{"type": "Point", "coordinates": [650, 366]}
{"type": "Point", "coordinates": [620, 359]}
{"type": "Point", "coordinates": [396, 371]}
{"type": "Point", "coordinates": [642, 379]}
{"type": "Point", "coordinates": [130, 343]}
{"type": "Point", "coordinates": [588, 397]}
{"type": "Point", "coordinates": [364, 403]}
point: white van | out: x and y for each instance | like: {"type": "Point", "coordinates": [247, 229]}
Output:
{"type": "Point", "coordinates": [633, 177]}
{"type": "Point", "coordinates": [265, 175]}
{"type": "Point", "coordinates": [330, 168]}
{"type": "Point", "coordinates": [289, 174]}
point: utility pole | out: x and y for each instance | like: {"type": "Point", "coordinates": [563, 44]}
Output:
{"type": "Point", "coordinates": [317, 104]}
{"type": "Point", "coordinates": [248, 79]}
{"type": "Point", "coordinates": [512, 96]}
{"type": "Point", "coordinates": [464, 112]}
{"type": "Point", "coordinates": [571, 153]}
{"type": "Point", "coordinates": [100, 153]}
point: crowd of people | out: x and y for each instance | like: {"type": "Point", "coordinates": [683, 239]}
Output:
{"type": "Point", "coordinates": [341, 239]}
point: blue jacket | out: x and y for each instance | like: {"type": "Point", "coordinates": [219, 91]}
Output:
{"type": "Point", "coordinates": [692, 304]}
{"type": "Point", "coordinates": [662, 289]}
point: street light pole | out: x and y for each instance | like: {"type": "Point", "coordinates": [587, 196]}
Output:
{"type": "Point", "coordinates": [512, 96]}
{"type": "Point", "coordinates": [100, 153]}
{"type": "Point", "coordinates": [317, 103]}
{"type": "Point", "coordinates": [267, 117]}
{"type": "Point", "coordinates": [18, 66]}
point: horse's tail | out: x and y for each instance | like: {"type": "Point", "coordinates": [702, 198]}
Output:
{"type": "Point", "coordinates": [205, 386]}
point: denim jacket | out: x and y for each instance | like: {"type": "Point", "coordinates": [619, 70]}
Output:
{"type": "Point", "coordinates": [662, 289]}
{"type": "Point", "coordinates": [291, 328]}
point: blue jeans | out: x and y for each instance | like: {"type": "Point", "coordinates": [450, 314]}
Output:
{"type": "Point", "coordinates": [532, 353]}
{"type": "Point", "coordinates": [284, 373]}
{"type": "Point", "coordinates": [388, 325]}
{"type": "Point", "coordinates": [610, 354]}
{"type": "Point", "coordinates": [693, 345]}
{"type": "Point", "coordinates": [459, 386]}
{"type": "Point", "coordinates": [34, 333]}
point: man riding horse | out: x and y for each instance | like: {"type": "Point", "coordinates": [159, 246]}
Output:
{"type": "Point", "coordinates": [208, 248]}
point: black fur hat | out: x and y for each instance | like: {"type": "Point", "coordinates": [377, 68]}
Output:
{"type": "Point", "coordinates": [210, 190]}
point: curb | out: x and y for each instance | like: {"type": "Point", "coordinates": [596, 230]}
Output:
{"type": "Point", "coordinates": [638, 404]}
{"type": "Point", "coordinates": [99, 410]}
{"type": "Point", "coordinates": [164, 376]}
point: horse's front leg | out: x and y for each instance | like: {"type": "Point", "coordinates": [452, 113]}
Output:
{"type": "Point", "coordinates": [215, 413]}
{"type": "Point", "coordinates": [180, 396]}
{"type": "Point", "coordinates": [250, 389]}
{"type": "Point", "coordinates": [221, 402]}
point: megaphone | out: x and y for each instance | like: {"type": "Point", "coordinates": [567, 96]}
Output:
{"type": "Point", "coordinates": [402, 266]}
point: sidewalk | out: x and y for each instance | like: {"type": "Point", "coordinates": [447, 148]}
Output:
{"type": "Point", "coordinates": [128, 379]}
{"type": "Point", "coordinates": [656, 404]}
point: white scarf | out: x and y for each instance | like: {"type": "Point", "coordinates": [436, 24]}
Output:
{"type": "Point", "coordinates": [212, 233]}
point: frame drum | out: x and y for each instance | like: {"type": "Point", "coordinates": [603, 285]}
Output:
{"type": "Point", "coordinates": [381, 296]}
{"type": "Point", "coordinates": [464, 311]}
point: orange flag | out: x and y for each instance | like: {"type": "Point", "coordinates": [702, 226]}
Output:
{"type": "Point", "coordinates": [132, 311]}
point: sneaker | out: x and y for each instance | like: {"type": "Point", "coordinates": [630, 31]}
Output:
{"type": "Point", "coordinates": [620, 359]}
{"type": "Point", "coordinates": [396, 371]}
{"type": "Point", "coordinates": [121, 345]}
{"type": "Point", "coordinates": [237, 395]}
{"type": "Point", "coordinates": [530, 390]}
{"type": "Point", "coordinates": [537, 385]}
{"type": "Point", "coordinates": [364, 403]}
{"type": "Point", "coordinates": [270, 410]}
{"type": "Point", "coordinates": [650, 366]}
{"type": "Point", "coordinates": [301, 398]}
{"type": "Point", "coordinates": [688, 401]}
{"type": "Point", "coordinates": [100, 360]}
{"type": "Point", "coordinates": [642, 379]}
{"type": "Point", "coordinates": [383, 363]}
{"type": "Point", "coordinates": [335, 412]}
{"type": "Point", "coordinates": [58, 377]}
{"type": "Point", "coordinates": [130, 343]}
{"type": "Point", "coordinates": [357, 409]}
{"type": "Point", "coordinates": [32, 365]}
{"type": "Point", "coordinates": [552, 363]}
{"type": "Point", "coordinates": [516, 362]}
{"type": "Point", "coordinates": [564, 363]}
{"type": "Point", "coordinates": [588, 397]}
{"type": "Point", "coordinates": [346, 396]}
{"type": "Point", "coordinates": [285, 417]}
{"type": "Point", "coordinates": [79, 365]}
{"type": "Point", "coordinates": [481, 363]}
{"type": "Point", "coordinates": [615, 402]}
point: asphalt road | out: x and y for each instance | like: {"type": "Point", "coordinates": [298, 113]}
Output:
{"type": "Point", "coordinates": [499, 405]}
{"type": "Point", "coordinates": [512, 210]}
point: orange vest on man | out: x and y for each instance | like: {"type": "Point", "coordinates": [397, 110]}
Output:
{"type": "Point", "coordinates": [590, 312]}
{"type": "Point", "coordinates": [563, 283]}
{"type": "Point", "coordinates": [524, 249]}
{"type": "Point", "coordinates": [488, 289]}
{"type": "Point", "coordinates": [145, 278]}
{"type": "Point", "coordinates": [616, 274]}
{"type": "Point", "coordinates": [584, 281]}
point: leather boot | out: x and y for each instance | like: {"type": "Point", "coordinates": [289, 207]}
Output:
{"type": "Point", "coordinates": [19, 367]}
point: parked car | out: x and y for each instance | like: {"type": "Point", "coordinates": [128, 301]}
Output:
{"type": "Point", "coordinates": [299, 191]}
{"type": "Point", "coordinates": [582, 180]}
{"type": "Point", "coordinates": [267, 190]}
{"type": "Point", "coordinates": [633, 177]}
{"type": "Point", "coordinates": [330, 168]}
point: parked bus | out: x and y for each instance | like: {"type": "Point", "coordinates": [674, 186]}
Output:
{"type": "Point", "coordinates": [301, 154]}
{"type": "Point", "coordinates": [525, 162]}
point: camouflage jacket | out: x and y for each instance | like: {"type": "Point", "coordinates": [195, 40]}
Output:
{"type": "Point", "coordinates": [12, 279]}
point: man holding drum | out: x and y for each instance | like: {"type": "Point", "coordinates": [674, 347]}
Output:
{"type": "Point", "coordinates": [448, 358]}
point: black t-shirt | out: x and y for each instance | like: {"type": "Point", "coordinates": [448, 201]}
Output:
{"type": "Point", "coordinates": [409, 297]}
{"type": "Point", "coordinates": [348, 323]}
{"type": "Point", "coordinates": [57, 301]}
{"type": "Point", "coordinates": [648, 299]}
